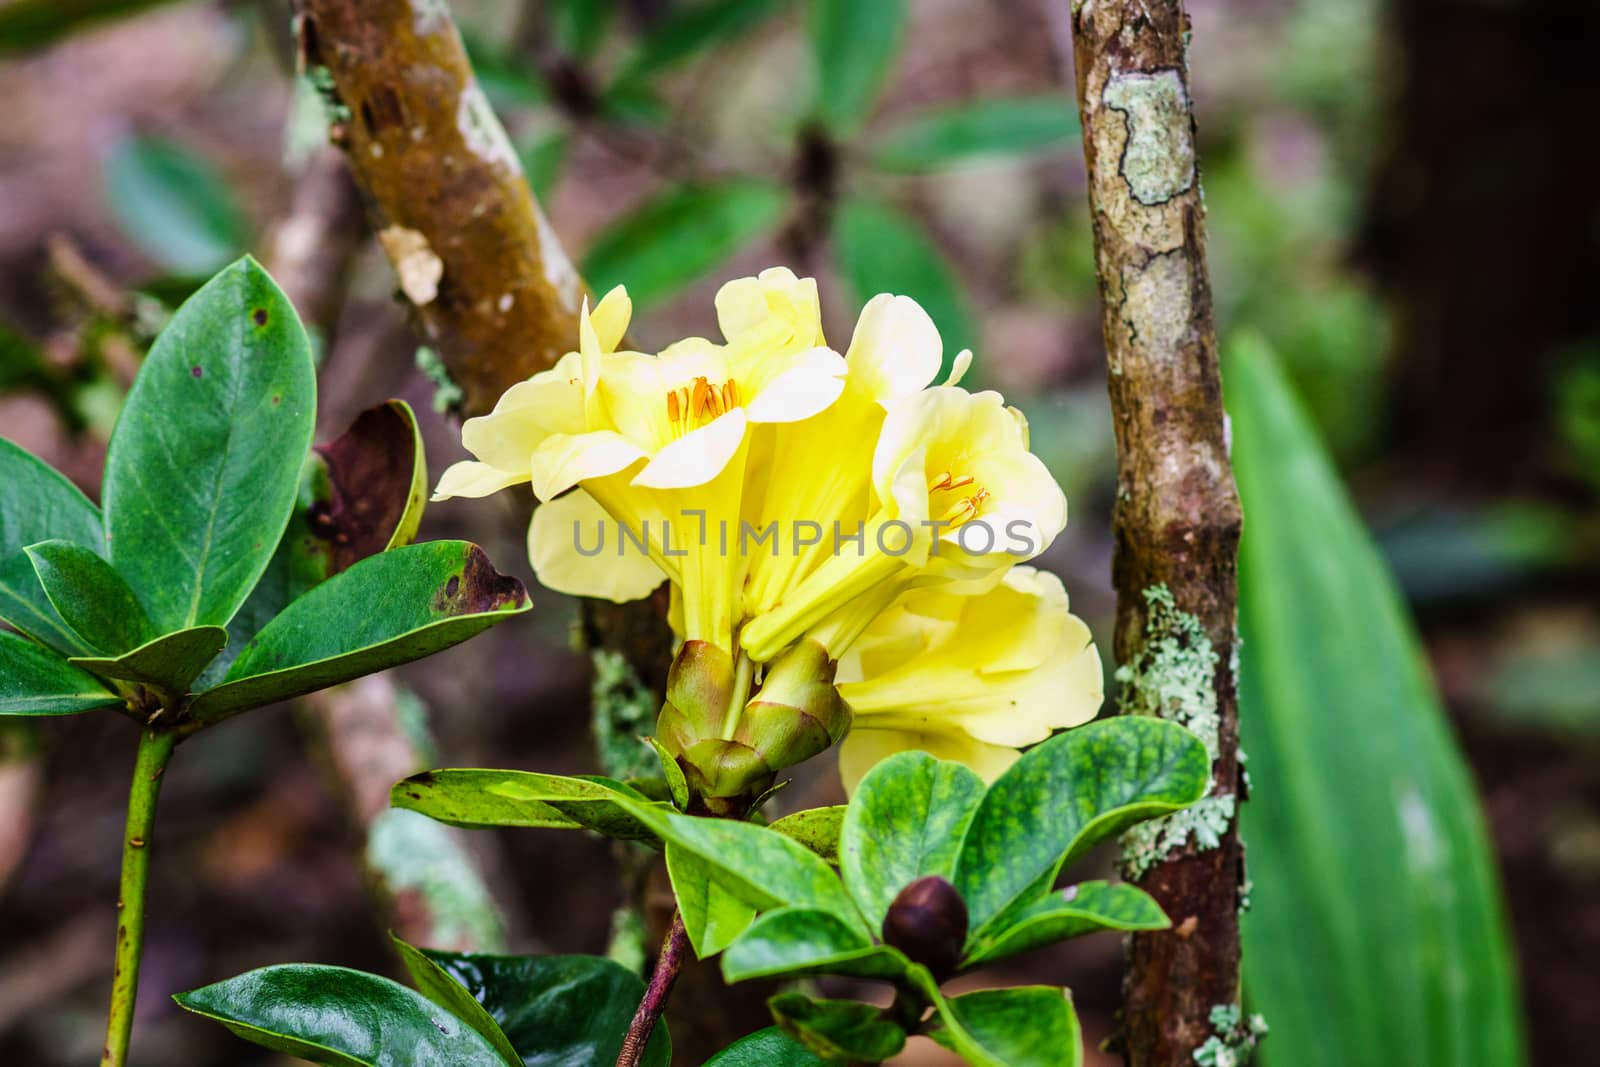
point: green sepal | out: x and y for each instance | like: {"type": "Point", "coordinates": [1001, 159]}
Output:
{"type": "Point", "coordinates": [677, 784]}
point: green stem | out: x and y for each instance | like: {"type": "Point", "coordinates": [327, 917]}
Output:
{"type": "Point", "coordinates": [744, 669]}
{"type": "Point", "coordinates": [155, 748]}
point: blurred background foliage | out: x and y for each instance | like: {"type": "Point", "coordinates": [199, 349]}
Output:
{"type": "Point", "coordinates": [1396, 215]}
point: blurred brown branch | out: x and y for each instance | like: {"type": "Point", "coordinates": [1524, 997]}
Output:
{"type": "Point", "coordinates": [1177, 515]}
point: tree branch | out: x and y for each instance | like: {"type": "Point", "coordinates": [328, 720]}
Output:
{"type": "Point", "coordinates": [1177, 515]}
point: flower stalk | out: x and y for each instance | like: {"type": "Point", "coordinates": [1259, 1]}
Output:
{"type": "Point", "coordinates": [155, 749]}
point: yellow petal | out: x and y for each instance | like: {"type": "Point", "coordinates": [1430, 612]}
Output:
{"type": "Point", "coordinates": [795, 387]}
{"type": "Point", "coordinates": [470, 478]}
{"type": "Point", "coordinates": [864, 748]}
{"type": "Point", "coordinates": [564, 460]}
{"type": "Point", "coordinates": [610, 319]}
{"type": "Point", "coordinates": [575, 548]}
{"type": "Point", "coordinates": [696, 457]}
{"type": "Point", "coordinates": [895, 350]}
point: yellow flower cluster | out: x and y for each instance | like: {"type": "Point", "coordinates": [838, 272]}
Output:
{"type": "Point", "coordinates": [842, 535]}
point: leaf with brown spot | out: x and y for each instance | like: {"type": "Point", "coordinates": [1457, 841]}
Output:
{"type": "Point", "coordinates": [388, 609]}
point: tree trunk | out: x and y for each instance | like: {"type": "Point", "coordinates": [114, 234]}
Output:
{"type": "Point", "coordinates": [1177, 518]}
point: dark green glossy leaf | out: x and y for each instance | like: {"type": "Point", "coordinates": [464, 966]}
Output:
{"type": "Point", "coordinates": [90, 597]}
{"type": "Point", "coordinates": [766, 1048]}
{"type": "Point", "coordinates": [38, 504]}
{"type": "Point", "coordinates": [1028, 1026]}
{"type": "Point", "coordinates": [677, 784]}
{"type": "Point", "coordinates": [1368, 852]}
{"type": "Point", "coordinates": [1014, 126]}
{"type": "Point", "coordinates": [906, 820]}
{"type": "Point", "coordinates": [713, 911]}
{"type": "Point", "coordinates": [340, 1017]}
{"type": "Point", "coordinates": [558, 1011]}
{"type": "Point", "coordinates": [1065, 795]}
{"type": "Point", "coordinates": [694, 27]}
{"type": "Point", "coordinates": [680, 235]}
{"type": "Point", "coordinates": [36, 681]}
{"type": "Point", "coordinates": [204, 463]}
{"type": "Point", "coordinates": [174, 205]}
{"type": "Point", "coordinates": [478, 799]}
{"type": "Point", "coordinates": [360, 494]}
{"type": "Point", "coordinates": [441, 987]}
{"type": "Point", "coordinates": [847, 1031]}
{"type": "Point", "coordinates": [758, 865]}
{"type": "Point", "coordinates": [169, 663]}
{"type": "Point", "coordinates": [855, 45]}
{"type": "Point", "coordinates": [797, 941]}
{"type": "Point", "coordinates": [1070, 912]}
{"type": "Point", "coordinates": [816, 828]}
{"type": "Point", "coordinates": [389, 609]}
{"type": "Point", "coordinates": [879, 250]}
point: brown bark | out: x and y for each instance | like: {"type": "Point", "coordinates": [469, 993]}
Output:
{"type": "Point", "coordinates": [489, 285]}
{"type": "Point", "coordinates": [1177, 516]}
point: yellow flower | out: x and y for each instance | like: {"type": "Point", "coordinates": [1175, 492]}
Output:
{"type": "Point", "coordinates": [971, 678]}
{"type": "Point", "coordinates": [958, 497]}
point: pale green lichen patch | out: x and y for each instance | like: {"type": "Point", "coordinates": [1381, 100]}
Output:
{"type": "Point", "coordinates": [1235, 1038]}
{"type": "Point", "coordinates": [1173, 678]}
{"type": "Point", "coordinates": [1156, 303]}
{"type": "Point", "coordinates": [624, 710]}
{"type": "Point", "coordinates": [429, 16]}
{"type": "Point", "coordinates": [481, 130]}
{"type": "Point", "coordinates": [1158, 156]}
{"type": "Point", "coordinates": [411, 853]}
{"type": "Point", "coordinates": [446, 393]}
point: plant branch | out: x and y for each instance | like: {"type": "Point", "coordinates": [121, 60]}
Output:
{"type": "Point", "coordinates": [1177, 517]}
{"type": "Point", "coordinates": [155, 749]}
{"type": "Point", "coordinates": [674, 951]}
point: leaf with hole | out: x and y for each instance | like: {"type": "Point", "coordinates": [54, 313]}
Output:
{"type": "Point", "coordinates": [558, 1011]}
{"type": "Point", "coordinates": [1066, 794]}
{"type": "Point", "coordinates": [340, 1017]}
{"type": "Point", "coordinates": [389, 609]}
{"type": "Point", "coordinates": [204, 463]}
{"type": "Point", "coordinates": [36, 681]}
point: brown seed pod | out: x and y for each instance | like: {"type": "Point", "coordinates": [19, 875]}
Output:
{"type": "Point", "coordinates": [928, 922]}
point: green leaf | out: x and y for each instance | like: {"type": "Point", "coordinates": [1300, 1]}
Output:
{"type": "Point", "coordinates": [768, 869]}
{"type": "Point", "coordinates": [558, 1011]}
{"type": "Point", "coordinates": [1368, 851]}
{"type": "Point", "coordinates": [541, 162]}
{"type": "Point", "coordinates": [677, 784]}
{"type": "Point", "coordinates": [36, 681]}
{"type": "Point", "coordinates": [174, 205]}
{"type": "Point", "coordinates": [580, 25]}
{"type": "Point", "coordinates": [205, 459]}
{"type": "Point", "coordinates": [691, 28]}
{"type": "Point", "coordinates": [1071, 912]}
{"type": "Point", "coordinates": [816, 828]}
{"type": "Point", "coordinates": [795, 941]}
{"type": "Point", "coordinates": [713, 911]}
{"type": "Point", "coordinates": [169, 663]}
{"type": "Point", "coordinates": [1027, 1026]}
{"type": "Point", "coordinates": [31, 24]}
{"type": "Point", "coordinates": [478, 799]}
{"type": "Point", "coordinates": [38, 504]}
{"type": "Point", "coordinates": [1065, 795]}
{"type": "Point", "coordinates": [855, 45]}
{"type": "Point", "coordinates": [679, 235]}
{"type": "Point", "coordinates": [441, 987]}
{"type": "Point", "coordinates": [766, 1048]}
{"type": "Point", "coordinates": [906, 820]}
{"type": "Point", "coordinates": [838, 1030]}
{"type": "Point", "coordinates": [90, 597]}
{"type": "Point", "coordinates": [340, 1017]}
{"type": "Point", "coordinates": [360, 494]}
{"type": "Point", "coordinates": [879, 250]}
{"type": "Point", "coordinates": [389, 609]}
{"type": "Point", "coordinates": [1016, 126]}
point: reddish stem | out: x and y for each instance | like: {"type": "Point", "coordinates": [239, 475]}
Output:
{"type": "Point", "coordinates": [674, 950]}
